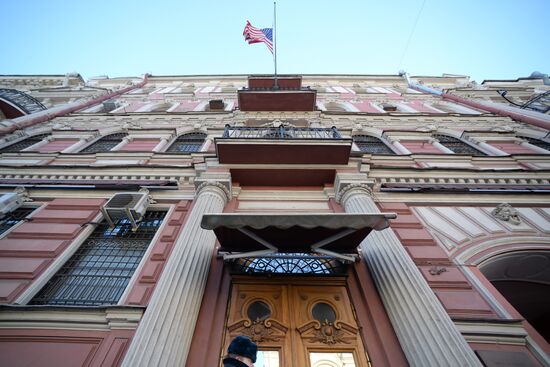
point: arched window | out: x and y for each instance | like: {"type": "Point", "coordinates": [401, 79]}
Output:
{"type": "Point", "coordinates": [23, 144]}
{"type": "Point", "coordinates": [335, 107]}
{"type": "Point", "coordinates": [371, 144]}
{"type": "Point", "coordinates": [523, 278]}
{"type": "Point", "coordinates": [457, 145]}
{"type": "Point", "coordinates": [536, 142]}
{"type": "Point", "coordinates": [163, 107]}
{"type": "Point", "coordinates": [188, 143]}
{"type": "Point", "coordinates": [105, 144]}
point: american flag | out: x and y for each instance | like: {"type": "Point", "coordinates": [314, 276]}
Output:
{"type": "Point", "coordinates": [254, 35]}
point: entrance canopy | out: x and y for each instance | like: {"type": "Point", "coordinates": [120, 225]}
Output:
{"type": "Point", "coordinates": [255, 235]}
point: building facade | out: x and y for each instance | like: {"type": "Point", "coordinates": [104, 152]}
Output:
{"type": "Point", "coordinates": [337, 220]}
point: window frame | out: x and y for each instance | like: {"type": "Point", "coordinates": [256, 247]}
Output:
{"type": "Point", "coordinates": [36, 207]}
{"type": "Point", "coordinates": [83, 150]}
{"type": "Point", "coordinates": [380, 139]}
{"type": "Point", "coordinates": [175, 141]}
{"type": "Point", "coordinates": [31, 137]}
{"type": "Point", "coordinates": [36, 286]}
{"type": "Point", "coordinates": [437, 136]}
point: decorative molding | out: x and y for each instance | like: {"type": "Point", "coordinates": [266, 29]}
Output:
{"type": "Point", "coordinates": [356, 187]}
{"type": "Point", "coordinates": [329, 333]}
{"type": "Point", "coordinates": [70, 318]}
{"type": "Point", "coordinates": [23, 193]}
{"type": "Point", "coordinates": [260, 331]}
{"type": "Point", "coordinates": [210, 184]}
{"type": "Point", "coordinates": [506, 213]}
{"type": "Point", "coordinates": [437, 270]}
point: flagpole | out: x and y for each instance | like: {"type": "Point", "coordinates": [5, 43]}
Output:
{"type": "Point", "coordinates": [276, 86]}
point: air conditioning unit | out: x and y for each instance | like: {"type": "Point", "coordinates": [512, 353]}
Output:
{"type": "Point", "coordinates": [127, 205]}
{"type": "Point", "coordinates": [10, 202]}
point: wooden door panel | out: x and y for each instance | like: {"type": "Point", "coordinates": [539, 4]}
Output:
{"type": "Point", "coordinates": [294, 326]}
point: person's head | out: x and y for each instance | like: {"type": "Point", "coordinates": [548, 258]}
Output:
{"type": "Point", "coordinates": [242, 349]}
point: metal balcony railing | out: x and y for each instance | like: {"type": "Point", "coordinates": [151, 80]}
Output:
{"type": "Point", "coordinates": [275, 89]}
{"type": "Point", "coordinates": [280, 133]}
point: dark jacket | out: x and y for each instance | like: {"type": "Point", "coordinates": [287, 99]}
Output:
{"type": "Point", "coordinates": [232, 362]}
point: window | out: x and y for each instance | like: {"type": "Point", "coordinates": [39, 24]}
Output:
{"type": "Point", "coordinates": [290, 263]}
{"type": "Point", "coordinates": [389, 108]}
{"type": "Point", "coordinates": [13, 218]}
{"type": "Point", "coordinates": [99, 271]}
{"type": "Point", "coordinates": [539, 143]}
{"type": "Point", "coordinates": [371, 144]}
{"type": "Point", "coordinates": [188, 143]}
{"type": "Point", "coordinates": [105, 144]}
{"type": "Point", "coordinates": [457, 146]}
{"type": "Point", "coordinates": [24, 144]}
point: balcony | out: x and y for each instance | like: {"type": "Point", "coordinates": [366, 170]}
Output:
{"type": "Point", "coordinates": [315, 149]}
{"type": "Point", "coordinates": [288, 94]}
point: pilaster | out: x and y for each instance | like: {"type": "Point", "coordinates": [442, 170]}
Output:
{"type": "Point", "coordinates": [164, 335]}
{"type": "Point", "coordinates": [427, 334]}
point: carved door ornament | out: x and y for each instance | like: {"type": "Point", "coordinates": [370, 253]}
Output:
{"type": "Point", "coordinates": [325, 328]}
{"type": "Point", "coordinates": [258, 326]}
{"type": "Point", "coordinates": [296, 322]}
{"type": "Point", "coordinates": [259, 331]}
{"type": "Point", "coordinates": [506, 213]}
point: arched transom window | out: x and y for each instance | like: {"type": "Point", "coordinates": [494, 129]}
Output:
{"type": "Point", "coordinates": [105, 144]}
{"type": "Point", "coordinates": [457, 145]}
{"type": "Point", "coordinates": [188, 143]}
{"type": "Point", "coordinates": [371, 144]}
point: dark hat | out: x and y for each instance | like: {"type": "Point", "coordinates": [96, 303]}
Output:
{"type": "Point", "coordinates": [243, 346]}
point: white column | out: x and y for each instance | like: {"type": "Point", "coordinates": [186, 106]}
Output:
{"type": "Point", "coordinates": [440, 146]}
{"type": "Point", "coordinates": [425, 331]}
{"type": "Point", "coordinates": [487, 147]}
{"type": "Point", "coordinates": [41, 143]}
{"type": "Point", "coordinates": [398, 146]}
{"type": "Point", "coordinates": [161, 145]}
{"type": "Point", "coordinates": [76, 146]}
{"type": "Point", "coordinates": [164, 334]}
{"type": "Point", "coordinates": [534, 148]}
{"type": "Point", "coordinates": [124, 141]}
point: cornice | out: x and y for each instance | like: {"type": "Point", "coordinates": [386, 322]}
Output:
{"type": "Point", "coordinates": [70, 318]}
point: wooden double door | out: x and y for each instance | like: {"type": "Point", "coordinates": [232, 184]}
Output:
{"type": "Point", "coordinates": [296, 322]}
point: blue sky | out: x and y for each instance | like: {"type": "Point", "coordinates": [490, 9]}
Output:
{"type": "Point", "coordinates": [486, 39]}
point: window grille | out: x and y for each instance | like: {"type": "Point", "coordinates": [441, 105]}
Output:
{"type": "Point", "coordinates": [457, 146]}
{"type": "Point", "coordinates": [371, 144]}
{"type": "Point", "coordinates": [539, 143]}
{"type": "Point", "coordinates": [98, 273]}
{"type": "Point", "coordinates": [23, 144]}
{"type": "Point", "coordinates": [13, 218]}
{"type": "Point", "coordinates": [105, 144]}
{"type": "Point", "coordinates": [188, 143]}
{"type": "Point", "coordinates": [290, 263]}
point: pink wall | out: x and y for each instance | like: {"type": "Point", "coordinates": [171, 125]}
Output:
{"type": "Point", "coordinates": [152, 269]}
{"type": "Point", "coordinates": [511, 148]}
{"type": "Point", "coordinates": [56, 146]}
{"type": "Point", "coordinates": [187, 105]}
{"type": "Point", "coordinates": [417, 146]}
{"type": "Point", "coordinates": [421, 107]}
{"type": "Point", "coordinates": [63, 348]}
{"type": "Point", "coordinates": [26, 251]}
{"type": "Point", "coordinates": [140, 145]}
{"type": "Point", "coordinates": [451, 287]}
{"type": "Point", "coordinates": [365, 106]}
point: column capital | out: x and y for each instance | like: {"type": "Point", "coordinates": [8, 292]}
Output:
{"type": "Point", "coordinates": [219, 182]}
{"type": "Point", "coordinates": [347, 183]}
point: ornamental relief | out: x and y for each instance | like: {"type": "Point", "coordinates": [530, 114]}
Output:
{"type": "Point", "coordinates": [260, 331]}
{"type": "Point", "coordinates": [506, 213]}
{"type": "Point", "coordinates": [329, 333]}
{"type": "Point", "coordinates": [459, 227]}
